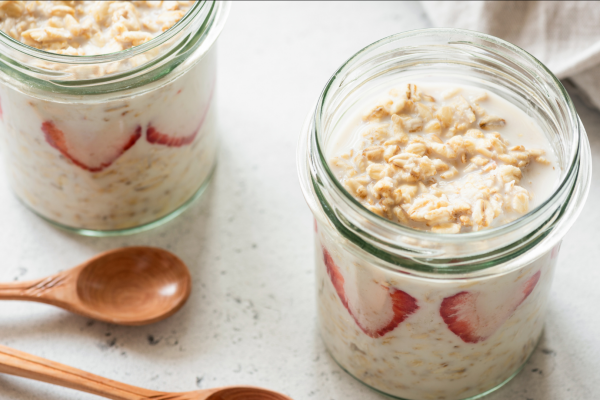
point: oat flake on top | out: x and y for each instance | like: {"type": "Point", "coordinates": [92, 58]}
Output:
{"type": "Point", "coordinates": [436, 165]}
{"type": "Point", "coordinates": [88, 27]}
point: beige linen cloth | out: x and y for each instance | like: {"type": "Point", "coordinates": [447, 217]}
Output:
{"type": "Point", "coordinates": [564, 35]}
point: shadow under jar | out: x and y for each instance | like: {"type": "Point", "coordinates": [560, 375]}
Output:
{"type": "Point", "coordinates": [114, 143]}
{"type": "Point", "coordinates": [408, 279]}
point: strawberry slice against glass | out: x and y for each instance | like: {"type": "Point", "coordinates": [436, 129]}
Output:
{"type": "Point", "coordinates": [376, 308]}
{"type": "Point", "coordinates": [155, 136]}
{"type": "Point", "coordinates": [93, 156]}
{"type": "Point", "coordinates": [475, 316]}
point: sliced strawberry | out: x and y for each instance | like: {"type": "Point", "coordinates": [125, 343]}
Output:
{"type": "Point", "coordinates": [56, 138]}
{"type": "Point", "coordinates": [376, 309]}
{"type": "Point", "coordinates": [336, 277]}
{"type": "Point", "coordinates": [403, 305]}
{"type": "Point", "coordinates": [156, 137]}
{"type": "Point", "coordinates": [529, 286]}
{"type": "Point", "coordinates": [460, 314]}
{"type": "Point", "coordinates": [470, 316]}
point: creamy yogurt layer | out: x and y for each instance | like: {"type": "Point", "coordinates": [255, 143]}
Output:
{"type": "Point", "coordinates": [444, 158]}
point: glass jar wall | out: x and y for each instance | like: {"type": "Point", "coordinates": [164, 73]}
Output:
{"type": "Point", "coordinates": [113, 143]}
{"type": "Point", "coordinates": [391, 299]}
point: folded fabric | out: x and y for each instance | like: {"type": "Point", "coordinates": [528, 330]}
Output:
{"type": "Point", "coordinates": [564, 35]}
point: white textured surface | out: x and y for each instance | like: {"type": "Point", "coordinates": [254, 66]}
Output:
{"type": "Point", "coordinates": [248, 242]}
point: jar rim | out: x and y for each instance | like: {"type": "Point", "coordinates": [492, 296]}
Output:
{"type": "Point", "coordinates": [107, 57]}
{"type": "Point", "coordinates": [211, 14]}
{"type": "Point", "coordinates": [384, 225]}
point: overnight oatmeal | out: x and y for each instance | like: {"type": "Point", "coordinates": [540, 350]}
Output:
{"type": "Point", "coordinates": [106, 160]}
{"type": "Point", "coordinates": [446, 159]}
{"type": "Point", "coordinates": [441, 184]}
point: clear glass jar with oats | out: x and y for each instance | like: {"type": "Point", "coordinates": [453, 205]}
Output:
{"type": "Point", "coordinates": [443, 168]}
{"type": "Point", "coordinates": [107, 113]}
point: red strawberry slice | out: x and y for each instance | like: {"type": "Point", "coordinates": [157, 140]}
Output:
{"type": "Point", "coordinates": [336, 277]}
{"type": "Point", "coordinates": [376, 309]}
{"type": "Point", "coordinates": [470, 316]}
{"type": "Point", "coordinates": [156, 137]}
{"type": "Point", "coordinates": [56, 138]}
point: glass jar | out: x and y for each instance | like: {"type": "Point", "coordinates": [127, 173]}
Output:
{"type": "Point", "coordinates": [415, 284]}
{"type": "Point", "coordinates": [113, 143]}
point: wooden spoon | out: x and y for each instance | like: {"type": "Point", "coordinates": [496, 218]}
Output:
{"type": "Point", "coordinates": [127, 286]}
{"type": "Point", "coordinates": [17, 363]}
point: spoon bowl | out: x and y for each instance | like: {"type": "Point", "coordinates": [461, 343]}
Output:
{"type": "Point", "coordinates": [242, 393]}
{"type": "Point", "coordinates": [126, 286]}
{"type": "Point", "coordinates": [135, 285]}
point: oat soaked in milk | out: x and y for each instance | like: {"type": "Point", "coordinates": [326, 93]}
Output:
{"type": "Point", "coordinates": [86, 28]}
{"type": "Point", "coordinates": [445, 158]}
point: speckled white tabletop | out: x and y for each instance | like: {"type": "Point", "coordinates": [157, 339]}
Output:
{"type": "Point", "coordinates": [248, 242]}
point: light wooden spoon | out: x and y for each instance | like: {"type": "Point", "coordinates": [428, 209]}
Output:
{"type": "Point", "coordinates": [17, 363]}
{"type": "Point", "coordinates": [127, 286]}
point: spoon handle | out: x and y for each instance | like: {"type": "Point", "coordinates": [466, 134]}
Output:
{"type": "Point", "coordinates": [25, 365]}
{"type": "Point", "coordinates": [35, 290]}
